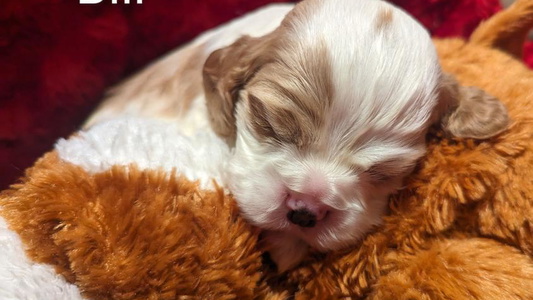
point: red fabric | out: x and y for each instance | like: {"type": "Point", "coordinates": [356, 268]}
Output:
{"type": "Point", "coordinates": [58, 56]}
{"type": "Point", "coordinates": [447, 18]}
{"type": "Point", "coordinates": [528, 54]}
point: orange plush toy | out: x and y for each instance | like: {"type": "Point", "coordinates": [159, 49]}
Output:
{"type": "Point", "coordinates": [118, 224]}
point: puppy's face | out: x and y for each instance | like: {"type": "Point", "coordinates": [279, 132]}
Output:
{"type": "Point", "coordinates": [327, 115]}
{"type": "Point", "coordinates": [317, 156]}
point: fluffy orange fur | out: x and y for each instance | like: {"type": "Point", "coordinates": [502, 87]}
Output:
{"type": "Point", "coordinates": [458, 268]}
{"type": "Point", "coordinates": [134, 234]}
{"type": "Point", "coordinates": [461, 229]}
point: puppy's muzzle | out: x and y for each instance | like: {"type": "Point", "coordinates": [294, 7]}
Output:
{"type": "Point", "coordinates": [302, 217]}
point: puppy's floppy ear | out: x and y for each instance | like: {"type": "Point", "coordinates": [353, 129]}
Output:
{"type": "Point", "coordinates": [469, 112]}
{"type": "Point", "coordinates": [225, 72]}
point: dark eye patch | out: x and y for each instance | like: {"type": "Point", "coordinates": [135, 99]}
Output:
{"type": "Point", "coordinates": [258, 118]}
{"type": "Point", "coordinates": [376, 173]}
{"type": "Point", "coordinates": [387, 170]}
{"type": "Point", "coordinates": [275, 123]}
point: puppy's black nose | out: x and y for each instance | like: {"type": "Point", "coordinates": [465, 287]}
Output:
{"type": "Point", "coordinates": [302, 217]}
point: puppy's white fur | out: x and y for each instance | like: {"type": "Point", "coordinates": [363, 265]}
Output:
{"type": "Point", "coordinates": [327, 108]}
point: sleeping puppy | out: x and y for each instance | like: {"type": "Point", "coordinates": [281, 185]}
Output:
{"type": "Point", "coordinates": [325, 106]}
{"type": "Point", "coordinates": [327, 115]}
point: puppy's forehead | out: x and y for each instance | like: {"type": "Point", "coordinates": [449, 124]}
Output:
{"type": "Point", "coordinates": [345, 68]}
{"type": "Point", "coordinates": [383, 66]}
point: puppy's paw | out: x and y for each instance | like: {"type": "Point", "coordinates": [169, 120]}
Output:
{"type": "Point", "coordinates": [285, 250]}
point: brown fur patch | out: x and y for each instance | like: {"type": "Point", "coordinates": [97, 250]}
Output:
{"type": "Point", "coordinates": [469, 112]}
{"type": "Point", "coordinates": [225, 72]}
{"type": "Point", "coordinates": [479, 115]}
{"type": "Point", "coordinates": [186, 83]}
{"type": "Point", "coordinates": [290, 81]}
{"type": "Point", "coordinates": [183, 86]}
{"type": "Point", "coordinates": [154, 92]}
{"type": "Point", "coordinates": [384, 19]}
{"type": "Point", "coordinates": [295, 93]}
{"type": "Point", "coordinates": [134, 235]}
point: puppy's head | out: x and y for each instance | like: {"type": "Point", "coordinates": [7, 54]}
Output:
{"type": "Point", "coordinates": [327, 114]}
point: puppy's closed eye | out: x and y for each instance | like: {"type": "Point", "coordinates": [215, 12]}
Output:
{"type": "Point", "coordinates": [275, 123]}
{"type": "Point", "coordinates": [387, 170]}
{"type": "Point", "coordinates": [258, 120]}
{"type": "Point", "coordinates": [378, 174]}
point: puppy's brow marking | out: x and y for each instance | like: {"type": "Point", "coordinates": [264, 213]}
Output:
{"type": "Point", "coordinates": [384, 18]}
{"type": "Point", "coordinates": [300, 93]}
